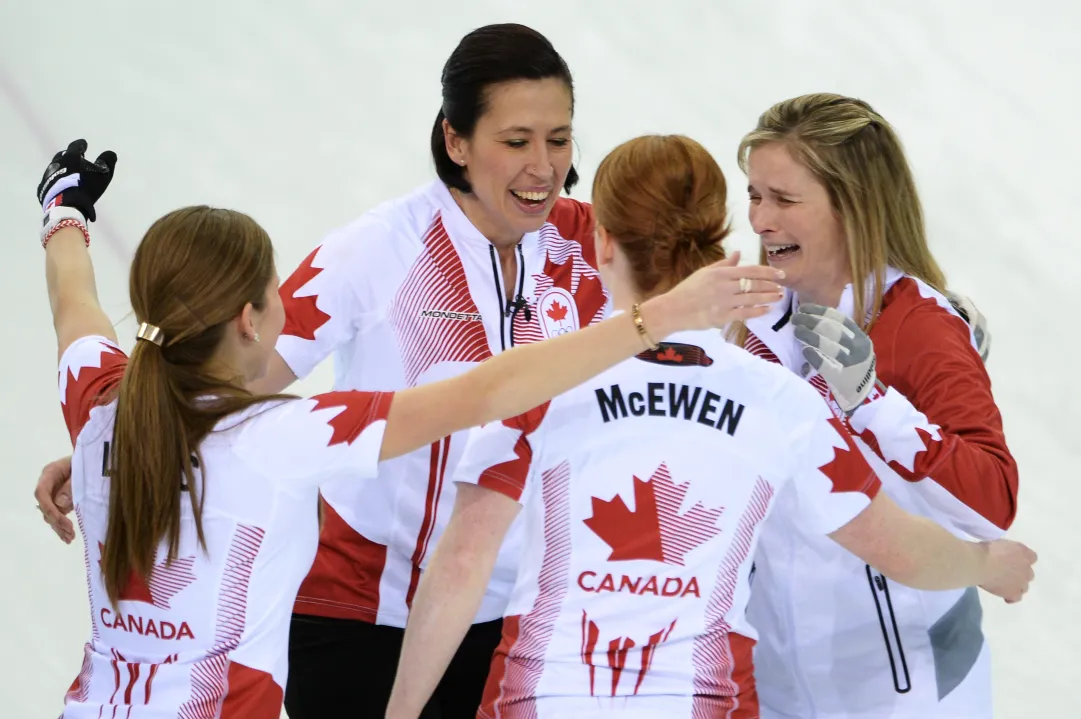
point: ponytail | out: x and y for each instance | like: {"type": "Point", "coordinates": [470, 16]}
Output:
{"type": "Point", "coordinates": [195, 270]}
{"type": "Point", "coordinates": [150, 460]}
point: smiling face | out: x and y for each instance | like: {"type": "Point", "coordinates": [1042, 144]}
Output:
{"type": "Point", "coordinates": [517, 159]}
{"type": "Point", "coordinates": [801, 233]}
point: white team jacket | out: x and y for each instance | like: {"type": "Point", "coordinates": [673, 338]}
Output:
{"type": "Point", "coordinates": [837, 639]}
{"type": "Point", "coordinates": [408, 294]}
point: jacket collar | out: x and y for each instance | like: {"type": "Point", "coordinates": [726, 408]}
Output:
{"type": "Point", "coordinates": [458, 226]}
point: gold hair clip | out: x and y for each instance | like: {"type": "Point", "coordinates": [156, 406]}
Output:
{"type": "Point", "coordinates": [150, 333]}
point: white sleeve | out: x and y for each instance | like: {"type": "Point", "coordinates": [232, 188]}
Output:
{"type": "Point", "coordinates": [327, 296]}
{"type": "Point", "coordinates": [329, 436]}
{"type": "Point", "coordinates": [832, 479]}
{"type": "Point", "coordinates": [91, 369]}
{"type": "Point", "coordinates": [499, 455]}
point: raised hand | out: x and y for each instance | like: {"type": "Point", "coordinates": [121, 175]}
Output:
{"type": "Point", "coordinates": [75, 182]}
{"type": "Point", "coordinates": [839, 350]}
{"type": "Point", "coordinates": [724, 292]}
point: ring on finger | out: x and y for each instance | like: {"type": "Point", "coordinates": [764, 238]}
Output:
{"type": "Point", "coordinates": [744, 285]}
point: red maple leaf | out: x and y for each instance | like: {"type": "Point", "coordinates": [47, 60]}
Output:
{"type": "Point", "coordinates": [848, 471]}
{"type": "Point", "coordinates": [94, 386]}
{"type": "Point", "coordinates": [557, 311]}
{"type": "Point", "coordinates": [670, 355]}
{"type": "Point", "coordinates": [589, 297]}
{"type": "Point", "coordinates": [302, 316]}
{"type": "Point", "coordinates": [655, 529]}
{"type": "Point", "coordinates": [166, 580]}
{"type": "Point", "coordinates": [360, 409]}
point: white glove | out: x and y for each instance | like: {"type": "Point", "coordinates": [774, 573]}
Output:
{"type": "Point", "coordinates": [840, 351]}
{"type": "Point", "coordinates": [976, 321]}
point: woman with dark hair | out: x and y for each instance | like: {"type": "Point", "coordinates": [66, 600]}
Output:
{"type": "Point", "coordinates": [196, 497]}
{"type": "Point", "coordinates": [485, 257]}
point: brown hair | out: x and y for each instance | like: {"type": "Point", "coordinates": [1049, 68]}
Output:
{"type": "Point", "coordinates": [194, 271]}
{"type": "Point", "coordinates": [858, 158]}
{"type": "Point", "coordinates": [663, 198]}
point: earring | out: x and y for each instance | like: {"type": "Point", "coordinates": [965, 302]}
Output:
{"type": "Point", "coordinates": [256, 337]}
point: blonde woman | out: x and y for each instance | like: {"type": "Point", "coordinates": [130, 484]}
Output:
{"type": "Point", "coordinates": [867, 322]}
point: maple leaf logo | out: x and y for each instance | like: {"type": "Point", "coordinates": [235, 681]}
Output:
{"type": "Point", "coordinates": [302, 316]}
{"type": "Point", "coordinates": [557, 311]}
{"type": "Point", "coordinates": [164, 583]}
{"type": "Point", "coordinates": [670, 355]}
{"type": "Point", "coordinates": [588, 294]}
{"type": "Point", "coordinates": [677, 353]}
{"type": "Point", "coordinates": [654, 530]}
{"type": "Point", "coordinates": [359, 409]}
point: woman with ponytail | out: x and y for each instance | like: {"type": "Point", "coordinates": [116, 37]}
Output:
{"type": "Point", "coordinates": [488, 255]}
{"type": "Point", "coordinates": [196, 497]}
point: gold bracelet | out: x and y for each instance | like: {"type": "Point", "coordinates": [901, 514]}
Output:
{"type": "Point", "coordinates": [636, 313]}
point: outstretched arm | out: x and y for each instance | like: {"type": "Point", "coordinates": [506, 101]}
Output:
{"type": "Point", "coordinates": [69, 187]}
{"type": "Point", "coordinates": [919, 553]}
{"type": "Point", "coordinates": [73, 295]}
{"type": "Point", "coordinates": [521, 378]}
{"type": "Point", "coordinates": [912, 550]}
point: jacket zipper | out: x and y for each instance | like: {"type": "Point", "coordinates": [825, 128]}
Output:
{"type": "Point", "coordinates": [519, 301]}
{"type": "Point", "coordinates": [891, 634]}
{"type": "Point", "coordinates": [497, 276]}
{"type": "Point", "coordinates": [509, 308]}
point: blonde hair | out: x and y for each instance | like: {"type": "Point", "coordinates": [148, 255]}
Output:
{"type": "Point", "coordinates": [858, 158]}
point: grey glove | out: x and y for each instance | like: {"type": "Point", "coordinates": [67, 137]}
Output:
{"type": "Point", "coordinates": [976, 321]}
{"type": "Point", "coordinates": [839, 350]}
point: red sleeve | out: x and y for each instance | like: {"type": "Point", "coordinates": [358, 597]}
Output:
{"type": "Point", "coordinates": [574, 220]}
{"type": "Point", "coordinates": [509, 477]}
{"type": "Point", "coordinates": [956, 438]}
{"type": "Point", "coordinates": [90, 371]}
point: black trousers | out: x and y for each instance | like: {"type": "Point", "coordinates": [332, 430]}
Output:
{"type": "Point", "coordinates": [343, 668]}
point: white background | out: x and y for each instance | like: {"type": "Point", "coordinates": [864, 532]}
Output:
{"type": "Point", "coordinates": [305, 117]}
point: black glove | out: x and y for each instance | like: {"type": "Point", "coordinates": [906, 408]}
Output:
{"type": "Point", "coordinates": [72, 181]}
